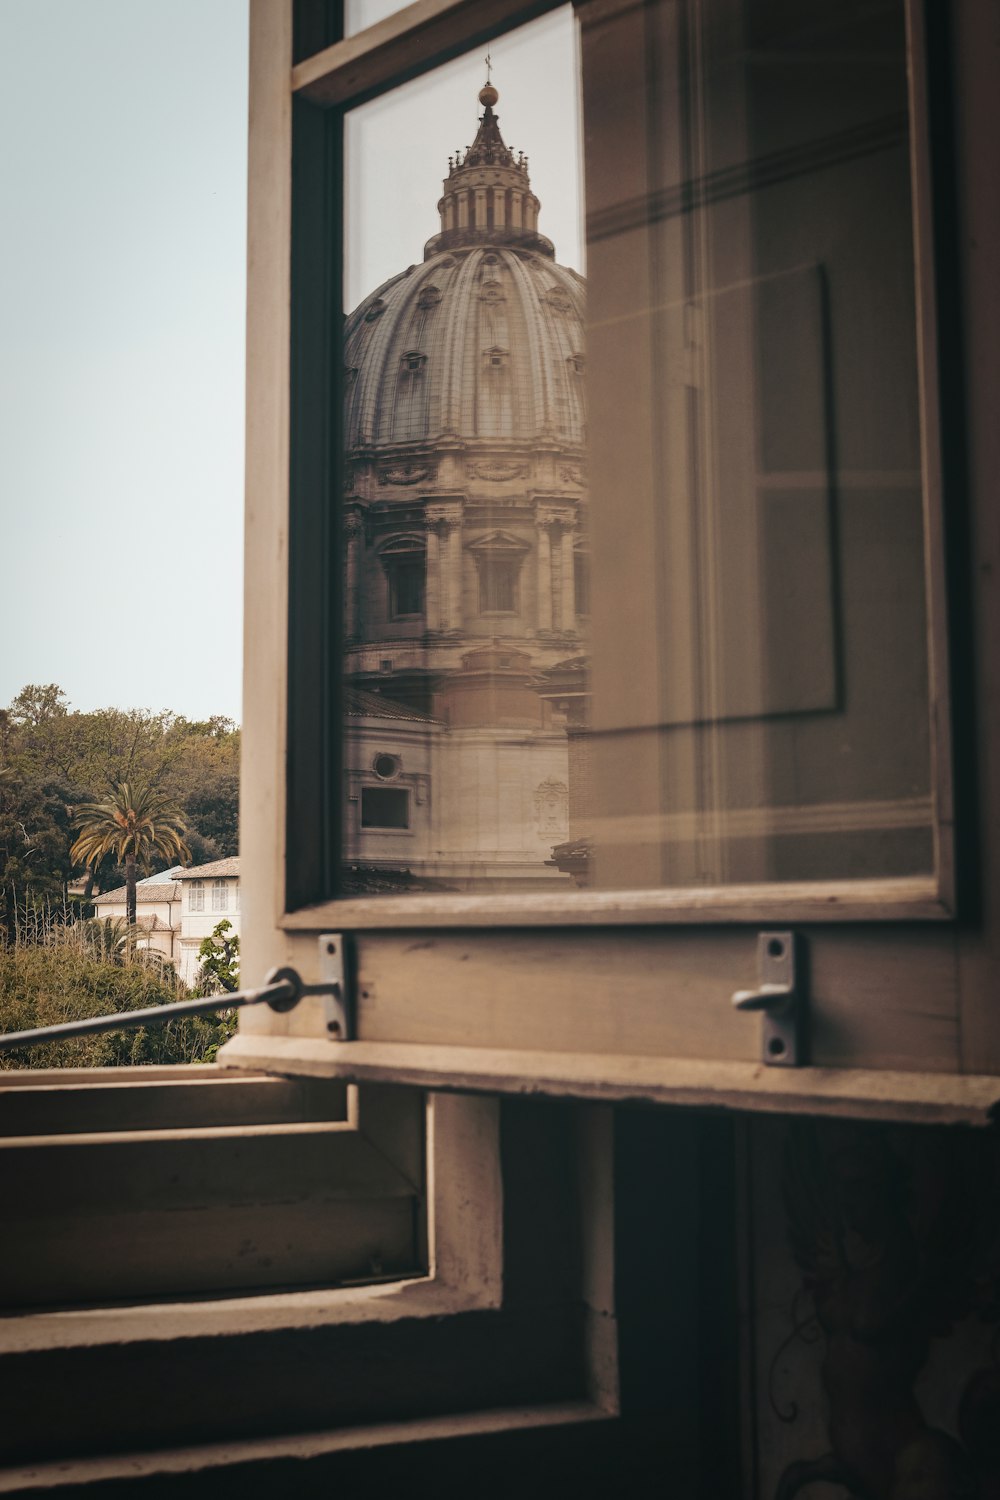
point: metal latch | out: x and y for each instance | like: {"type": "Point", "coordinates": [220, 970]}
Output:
{"type": "Point", "coordinates": [780, 994]}
{"type": "Point", "coordinates": [282, 990]}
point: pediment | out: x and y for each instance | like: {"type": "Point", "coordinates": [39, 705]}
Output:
{"type": "Point", "coordinates": [499, 541]}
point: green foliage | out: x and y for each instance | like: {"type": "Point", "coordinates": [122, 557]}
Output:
{"type": "Point", "coordinates": [63, 980]}
{"type": "Point", "coordinates": [220, 961]}
{"type": "Point", "coordinates": [53, 759]}
{"type": "Point", "coordinates": [220, 975]}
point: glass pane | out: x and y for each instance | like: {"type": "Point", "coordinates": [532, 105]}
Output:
{"type": "Point", "coordinates": [683, 645]}
{"type": "Point", "coordinates": [360, 14]}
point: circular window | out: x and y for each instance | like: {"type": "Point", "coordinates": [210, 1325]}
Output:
{"type": "Point", "coordinates": [386, 766]}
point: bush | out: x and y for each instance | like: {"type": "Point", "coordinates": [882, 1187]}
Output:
{"type": "Point", "coordinates": [45, 983]}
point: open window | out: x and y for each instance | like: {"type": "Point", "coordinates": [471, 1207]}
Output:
{"type": "Point", "coordinates": [726, 721]}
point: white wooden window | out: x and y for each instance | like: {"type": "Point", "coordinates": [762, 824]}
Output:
{"type": "Point", "coordinates": [220, 895]}
{"type": "Point", "coordinates": [196, 895]}
{"type": "Point", "coordinates": [736, 600]}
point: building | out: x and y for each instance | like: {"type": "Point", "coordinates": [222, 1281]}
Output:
{"type": "Point", "coordinates": [465, 539]}
{"type": "Point", "coordinates": [178, 908]}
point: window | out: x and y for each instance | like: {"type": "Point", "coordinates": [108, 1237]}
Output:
{"type": "Point", "coordinates": [220, 895]}
{"type": "Point", "coordinates": [405, 568]}
{"type": "Point", "coordinates": [736, 494]}
{"type": "Point", "coordinates": [385, 807]}
{"type": "Point", "coordinates": [497, 586]}
{"type": "Point", "coordinates": [196, 895]}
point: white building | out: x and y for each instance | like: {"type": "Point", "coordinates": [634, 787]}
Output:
{"type": "Point", "coordinates": [178, 908]}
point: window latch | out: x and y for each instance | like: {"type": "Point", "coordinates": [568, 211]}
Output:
{"type": "Point", "coordinates": [780, 994]}
{"type": "Point", "coordinates": [282, 990]}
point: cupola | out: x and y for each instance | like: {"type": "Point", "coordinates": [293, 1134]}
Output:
{"type": "Point", "coordinates": [487, 193]}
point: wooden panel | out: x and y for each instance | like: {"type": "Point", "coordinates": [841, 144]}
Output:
{"type": "Point", "coordinates": [45, 1103]}
{"type": "Point", "coordinates": [141, 1213]}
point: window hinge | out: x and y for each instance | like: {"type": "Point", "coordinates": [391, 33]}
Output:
{"type": "Point", "coordinates": [781, 995]}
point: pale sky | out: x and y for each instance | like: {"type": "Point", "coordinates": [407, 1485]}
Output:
{"type": "Point", "coordinates": [122, 292]}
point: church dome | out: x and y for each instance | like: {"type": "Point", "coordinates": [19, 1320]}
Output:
{"type": "Point", "coordinates": [485, 339]}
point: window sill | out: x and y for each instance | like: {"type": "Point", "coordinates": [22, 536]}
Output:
{"type": "Point", "coordinates": [300, 1447]}
{"type": "Point", "coordinates": [918, 899]}
{"type": "Point", "coordinates": [851, 1093]}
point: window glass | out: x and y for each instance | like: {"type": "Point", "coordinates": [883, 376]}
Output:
{"type": "Point", "coordinates": [220, 895]}
{"type": "Point", "coordinates": [681, 642]}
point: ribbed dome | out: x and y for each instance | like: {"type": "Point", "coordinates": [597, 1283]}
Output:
{"type": "Point", "coordinates": [477, 342]}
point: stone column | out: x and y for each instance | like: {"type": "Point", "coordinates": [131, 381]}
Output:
{"type": "Point", "coordinates": [544, 576]}
{"type": "Point", "coordinates": [432, 580]}
{"type": "Point", "coordinates": [454, 566]}
{"type": "Point", "coordinates": [352, 591]}
{"type": "Point", "coordinates": [567, 611]}
{"type": "Point", "coordinates": [499, 206]}
{"type": "Point", "coordinates": [480, 208]}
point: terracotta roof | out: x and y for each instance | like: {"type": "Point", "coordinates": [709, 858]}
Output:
{"type": "Point", "coordinates": [361, 705]}
{"type": "Point", "coordinates": [214, 870]}
{"type": "Point", "coordinates": [160, 891]}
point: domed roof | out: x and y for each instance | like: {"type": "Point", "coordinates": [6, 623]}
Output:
{"type": "Point", "coordinates": [485, 339]}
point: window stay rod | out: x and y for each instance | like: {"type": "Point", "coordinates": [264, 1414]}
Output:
{"type": "Point", "coordinates": [282, 990]}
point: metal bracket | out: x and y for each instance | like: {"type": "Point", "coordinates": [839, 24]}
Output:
{"type": "Point", "coordinates": [333, 987]}
{"type": "Point", "coordinates": [781, 996]}
{"type": "Point", "coordinates": [338, 1010]}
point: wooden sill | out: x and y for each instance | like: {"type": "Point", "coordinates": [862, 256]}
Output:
{"type": "Point", "coordinates": [918, 899]}
{"type": "Point", "coordinates": [853, 1093]}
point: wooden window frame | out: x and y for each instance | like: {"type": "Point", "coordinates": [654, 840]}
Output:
{"type": "Point", "coordinates": [324, 85]}
{"type": "Point", "coordinates": [590, 994]}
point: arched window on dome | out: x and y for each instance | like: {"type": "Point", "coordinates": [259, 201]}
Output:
{"type": "Point", "coordinates": [404, 561]}
{"type": "Point", "coordinates": [411, 396]}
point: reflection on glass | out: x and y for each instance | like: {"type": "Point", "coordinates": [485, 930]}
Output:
{"type": "Point", "coordinates": [687, 645]}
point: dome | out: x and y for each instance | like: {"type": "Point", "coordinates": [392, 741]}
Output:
{"type": "Point", "coordinates": [485, 339]}
{"type": "Point", "coordinates": [480, 341]}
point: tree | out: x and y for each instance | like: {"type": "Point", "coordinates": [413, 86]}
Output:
{"type": "Point", "coordinates": [220, 961]}
{"type": "Point", "coordinates": [134, 824]}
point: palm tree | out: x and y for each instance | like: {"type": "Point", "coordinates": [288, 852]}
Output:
{"type": "Point", "coordinates": [133, 824]}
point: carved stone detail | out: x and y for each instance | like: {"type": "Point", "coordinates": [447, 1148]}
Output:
{"type": "Point", "coordinates": [571, 473]}
{"type": "Point", "coordinates": [557, 300]}
{"type": "Point", "coordinates": [497, 473]}
{"type": "Point", "coordinates": [404, 473]}
{"type": "Point", "coordinates": [552, 806]}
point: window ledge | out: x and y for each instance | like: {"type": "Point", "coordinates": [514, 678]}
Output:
{"type": "Point", "coordinates": [301, 1447]}
{"type": "Point", "coordinates": [163, 1322]}
{"type": "Point", "coordinates": [854, 1093]}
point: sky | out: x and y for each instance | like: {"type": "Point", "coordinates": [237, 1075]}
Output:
{"type": "Point", "coordinates": [122, 308]}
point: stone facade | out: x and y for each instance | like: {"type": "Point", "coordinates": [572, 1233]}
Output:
{"type": "Point", "coordinates": [465, 525]}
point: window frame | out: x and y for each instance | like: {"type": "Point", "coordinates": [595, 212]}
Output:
{"type": "Point", "coordinates": [324, 87]}
{"type": "Point", "coordinates": [543, 971]}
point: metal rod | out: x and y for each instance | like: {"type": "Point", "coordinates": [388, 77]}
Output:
{"type": "Point", "coordinates": [284, 991]}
